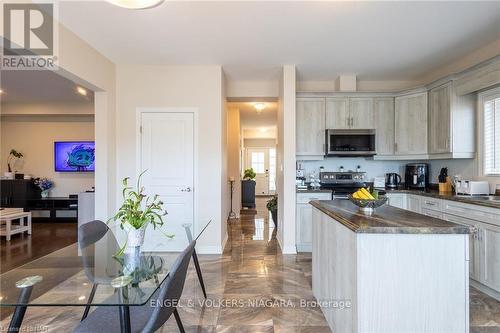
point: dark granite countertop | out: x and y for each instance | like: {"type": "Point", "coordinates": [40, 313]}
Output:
{"type": "Point", "coordinates": [449, 196]}
{"type": "Point", "coordinates": [386, 220]}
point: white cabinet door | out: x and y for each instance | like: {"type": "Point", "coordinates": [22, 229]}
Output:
{"type": "Point", "coordinates": [474, 246]}
{"type": "Point", "coordinates": [304, 217]}
{"type": "Point", "coordinates": [384, 120]}
{"type": "Point", "coordinates": [440, 119]}
{"type": "Point", "coordinates": [414, 203]}
{"type": "Point", "coordinates": [337, 113]}
{"type": "Point", "coordinates": [361, 113]}
{"type": "Point", "coordinates": [489, 237]}
{"type": "Point", "coordinates": [304, 227]}
{"type": "Point", "coordinates": [397, 200]}
{"type": "Point", "coordinates": [310, 126]}
{"type": "Point", "coordinates": [411, 124]}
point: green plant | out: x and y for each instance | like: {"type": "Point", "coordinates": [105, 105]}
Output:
{"type": "Point", "coordinates": [139, 210]}
{"type": "Point", "coordinates": [13, 154]}
{"type": "Point", "coordinates": [272, 204]}
{"type": "Point", "coordinates": [249, 174]}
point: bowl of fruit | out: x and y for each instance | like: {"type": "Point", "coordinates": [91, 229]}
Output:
{"type": "Point", "coordinates": [367, 201]}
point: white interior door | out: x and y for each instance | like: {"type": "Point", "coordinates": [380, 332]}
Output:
{"type": "Point", "coordinates": [259, 159]}
{"type": "Point", "coordinates": [167, 152]}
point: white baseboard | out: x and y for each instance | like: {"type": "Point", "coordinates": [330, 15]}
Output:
{"type": "Point", "coordinates": [289, 249]}
{"type": "Point", "coordinates": [224, 242]}
{"type": "Point", "coordinates": [304, 248]}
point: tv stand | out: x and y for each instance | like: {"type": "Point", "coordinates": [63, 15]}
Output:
{"type": "Point", "coordinates": [20, 193]}
{"type": "Point", "coordinates": [62, 209]}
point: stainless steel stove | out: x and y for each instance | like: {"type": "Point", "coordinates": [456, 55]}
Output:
{"type": "Point", "coordinates": [342, 183]}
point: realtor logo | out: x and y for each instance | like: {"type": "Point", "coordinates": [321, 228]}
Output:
{"type": "Point", "coordinates": [29, 36]}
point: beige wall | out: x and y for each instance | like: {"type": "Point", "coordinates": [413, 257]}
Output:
{"type": "Point", "coordinates": [197, 87]}
{"type": "Point", "coordinates": [81, 63]}
{"type": "Point", "coordinates": [34, 136]}
{"type": "Point", "coordinates": [225, 190]}
{"type": "Point", "coordinates": [234, 155]}
{"type": "Point", "coordinates": [286, 161]}
{"type": "Point", "coordinates": [264, 143]}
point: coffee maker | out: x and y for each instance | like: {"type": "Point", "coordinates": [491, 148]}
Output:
{"type": "Point", "coordinates": [417, 176]}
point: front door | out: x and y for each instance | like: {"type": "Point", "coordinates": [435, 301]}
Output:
{"type": "Point", "coordinates": [263, 162]}
{"type": "Point", "coordinates": [167, 153]}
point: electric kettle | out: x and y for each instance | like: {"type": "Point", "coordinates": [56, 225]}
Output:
{"type": "Point", "coordinates": [392, 180]}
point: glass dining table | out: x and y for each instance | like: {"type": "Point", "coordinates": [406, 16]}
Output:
{"type": "Point", "coordinates": [95, 275]}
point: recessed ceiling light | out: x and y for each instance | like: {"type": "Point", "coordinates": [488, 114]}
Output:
{"type": "Point", "coordinates": [259, 107]}
{"type": "Point", "coordinates": [1, 91]}
{"type": "Point", "coordinates": [81, 91]}
{"type": "Point", "coordinates": [136, 4]}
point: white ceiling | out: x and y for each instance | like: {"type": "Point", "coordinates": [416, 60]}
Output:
{"type": "Point", "coordinates": [39, 87]}
{"type": "Point", "coordinates": [251, 40]}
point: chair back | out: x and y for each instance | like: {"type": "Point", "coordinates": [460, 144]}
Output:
{"type": "Point", "coordinates": [88, 235]}
{"type": "Point", "coordinates": [171, 290]}
{"type": "Point", "coordinates": [91, 232]}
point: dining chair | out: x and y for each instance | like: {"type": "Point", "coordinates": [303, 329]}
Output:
{"type": "Point", "coordinates": [88, 235]}
{"type": "Point", "coordinates": [146, 318]}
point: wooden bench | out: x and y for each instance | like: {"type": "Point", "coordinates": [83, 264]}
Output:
{"type": "Point", "coordinates": [14, 221]}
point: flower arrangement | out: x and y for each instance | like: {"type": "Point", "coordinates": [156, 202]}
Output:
{"type": "Point", "coordinates": [138, 211]}
{"type": "Point", "coordinates": [45, 185]}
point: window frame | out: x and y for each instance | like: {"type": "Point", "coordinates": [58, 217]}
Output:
{"type": "Point", "coordinates": [482, 98]}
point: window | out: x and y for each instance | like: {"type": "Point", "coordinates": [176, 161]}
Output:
{"type": "Point", "coordinates": [258, 162]}
{"type": "Point", "coordinates": [491, 139]}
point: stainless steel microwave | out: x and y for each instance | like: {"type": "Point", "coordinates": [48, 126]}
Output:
{"type": "Point", "coordinates": [350, 142]}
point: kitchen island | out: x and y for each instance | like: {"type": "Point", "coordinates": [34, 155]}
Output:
{"type": "Point", "coordinates": [393, 271]}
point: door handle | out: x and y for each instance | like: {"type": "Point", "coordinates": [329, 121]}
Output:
{"type": "Point", "coordinates": [187, 189]}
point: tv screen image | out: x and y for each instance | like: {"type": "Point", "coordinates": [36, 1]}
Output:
{"type": "Point", "coordinates": [74, 156]}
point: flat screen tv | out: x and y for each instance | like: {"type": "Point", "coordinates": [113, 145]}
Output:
{"type": "Point", "coordinates": [74, 156]}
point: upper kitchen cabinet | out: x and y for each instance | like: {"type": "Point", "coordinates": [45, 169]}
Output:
{"type": "Point", "coordinates": [361, 111]}
{"type": "Point", "coordinates": [337, 113]}
{"type": "Point", "coordinates": [349, 113]}
{"type": "Point", "coordinates": [451, 123]}
{"type": "Point", "coordinates": [384, 119]}
{"type": "Point", "coordinates": [411, 126]}
{"type": "Point", "coordinates": [310, 128]}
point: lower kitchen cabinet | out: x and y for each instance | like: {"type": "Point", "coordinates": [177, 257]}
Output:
{"type": "Point", "coordinates": [490, 248]}
{"type": "Point", "coordinates": [303, 219]}
{"type": "Point", "coordinates": [474, 244]}
{"type": "Point", "coordinates": [484, 242]}
{"type": "Point", "coordinates": [413, 203]}
{"type": "Point", "coordinates": [397, 200]}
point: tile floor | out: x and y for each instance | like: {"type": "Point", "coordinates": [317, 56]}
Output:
{"type": "Point", "coordinates": [252, 287]}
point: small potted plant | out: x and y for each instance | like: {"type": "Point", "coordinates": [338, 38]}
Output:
{"type": "Point", "coordinates": [14, 156]}
{"type": "Point", "coordinates": [272, 206]}
{"type": "Point", "coordinates": [137, 212]}
{"type": "Point", "coordinates": [249, 174]}
{"type": "Point", "coordinates": [248, 188]}
{"type": "Point", "coordinates": [45, 185]}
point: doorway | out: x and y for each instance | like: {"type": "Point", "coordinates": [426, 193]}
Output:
{"type": "Point", "coordinates": [167, 152]}
{"type": "Point", "coordinates": [263, 163]}
{"type": "Point", "coordinates": [252, 140]}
